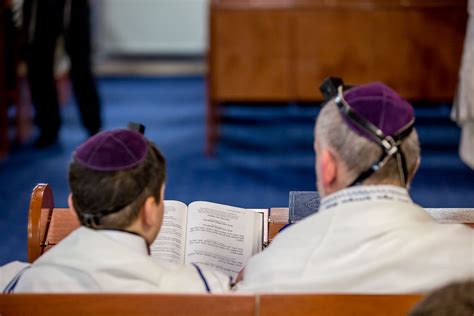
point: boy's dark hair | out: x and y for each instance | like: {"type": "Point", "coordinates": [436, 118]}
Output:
{"type": "Point", "coordinates": [456, 299]}
{"type": "Point", "coordinates": [95, 192]}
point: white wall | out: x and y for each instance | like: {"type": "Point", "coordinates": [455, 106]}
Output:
{"type": "Point", "coordinates": [151, 26]}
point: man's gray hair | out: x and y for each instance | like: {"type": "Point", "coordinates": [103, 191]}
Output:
{"type": "Point", "coordinates": [357, 152]}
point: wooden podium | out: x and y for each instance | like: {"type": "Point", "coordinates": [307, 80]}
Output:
{"type": "Point", "coordinates": [281, 50]}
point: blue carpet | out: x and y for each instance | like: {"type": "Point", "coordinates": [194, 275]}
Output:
{"type": "Point", "coordinates": [264, 152]}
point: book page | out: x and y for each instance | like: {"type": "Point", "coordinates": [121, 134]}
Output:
{"type": "Point", "coordinates": [169, 245]}
{"type": "Point", "coordinates": [220, 237]}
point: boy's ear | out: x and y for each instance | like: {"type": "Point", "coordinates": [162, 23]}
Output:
{"type": "Point", "coordinates": [71, 206]}
{"type": "Point", "coordinates": [149, 213]}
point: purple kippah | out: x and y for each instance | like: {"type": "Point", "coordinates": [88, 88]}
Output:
{"type": "Point", "coordinates": [114, 150]}
{"type": "Point", "coordinates": [381, 106]}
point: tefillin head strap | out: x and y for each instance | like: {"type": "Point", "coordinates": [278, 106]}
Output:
{"type": "Point", "coordinates": [333, 88]}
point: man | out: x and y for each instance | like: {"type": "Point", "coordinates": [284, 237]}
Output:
{"type": "Point", "coordinates": [44, 22]}
{"type": "Point", "coordinates": [463, 107]}
{"type": "Point", "coordinates": [368, 236]}
{"type": "Point", "coordinates": [117, 187]}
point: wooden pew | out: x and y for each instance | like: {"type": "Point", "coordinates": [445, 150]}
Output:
{"type": "Point", "coordinates": [126, 304]}
{"type": "Point", "coordinates": [48, 225]}
{"type": "Point", "coordinates": [336, 305]}
{"type": "Point", "coordinates": [205, 304]}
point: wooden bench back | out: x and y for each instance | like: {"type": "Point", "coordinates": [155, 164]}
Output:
{"type": "Point", "coordinates": [204, 304]}
{"type": "Point", "coordinates": [126, 304]}
{"type": "Point", "coordinates": [47, 225]}
{"type": "Point", "coordinates": [336, 304]}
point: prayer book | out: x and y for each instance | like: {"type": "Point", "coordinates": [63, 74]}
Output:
{"type": "Point", "coordinates": [302, 204]}
{"type": "Point", "coordinates": [216, 236]}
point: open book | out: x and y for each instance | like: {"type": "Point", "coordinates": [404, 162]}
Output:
{"type": "Point", "coordinates": [216, 236]}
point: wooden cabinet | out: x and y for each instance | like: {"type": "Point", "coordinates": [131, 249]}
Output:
{"type": "Point", "coordinates": [281, 50]}
{"type": "Point", "coordinates": [415, 51]}
{"type": "Point", "coordinates": [254, 58]}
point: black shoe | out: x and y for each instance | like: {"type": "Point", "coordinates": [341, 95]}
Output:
{"type": "Point", "coordinates": [45, 141]}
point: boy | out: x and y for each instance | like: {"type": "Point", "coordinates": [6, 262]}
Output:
{"type": "Point", "coordinates": [117, 187]}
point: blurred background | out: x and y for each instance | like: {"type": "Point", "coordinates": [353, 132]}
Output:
{"type": "Point", "coordinates": [229, 91]}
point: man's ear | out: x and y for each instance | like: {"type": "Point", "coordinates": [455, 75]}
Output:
{"type": "Point", "coordinates": [70, 203]}
{"type": "Point", "coordinates": [328, 169]}
{"type": "Point", "coordinates": [415, 169]}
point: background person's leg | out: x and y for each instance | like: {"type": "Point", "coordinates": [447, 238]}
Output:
{"type": "Point", "coordinates": [78, 46]}
{"type": "Point", "coordinates": [47, 25]}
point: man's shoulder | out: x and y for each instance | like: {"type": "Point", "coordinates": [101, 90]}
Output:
{"type": "Point", "coordinates": [459, 236]}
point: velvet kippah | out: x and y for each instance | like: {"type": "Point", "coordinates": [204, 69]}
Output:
{"type": "Point", "coordinates": [381, 106]}
{"type": "Point", "coordinates": [113, 150]}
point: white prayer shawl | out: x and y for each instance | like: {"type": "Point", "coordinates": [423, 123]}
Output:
{"type": "Point", "coordinates": [101, 261]}
{"type": "Point", "coordinates": [367, 239]}
{"type": "Point", "coordinates": [9, 271]}
{"type": "Point", "coordinates": [463, 110]}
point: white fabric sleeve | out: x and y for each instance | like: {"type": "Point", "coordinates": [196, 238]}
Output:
{"type": "Point", "coordinates": [9, 271]}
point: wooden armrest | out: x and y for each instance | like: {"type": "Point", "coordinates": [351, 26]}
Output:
{"type": "Point", "coordinates": [47, 225]}
{"type": "Point", "coordinates": [41, 208]}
